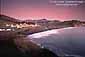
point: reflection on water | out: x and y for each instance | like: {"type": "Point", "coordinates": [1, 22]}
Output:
{"type": "Point", "coordinates": [66, 41]}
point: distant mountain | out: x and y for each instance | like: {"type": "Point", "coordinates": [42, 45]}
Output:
{"type": "Point", "coordinates": [49, 24]}
{"type": "Point", "coordinates": [74, 22]}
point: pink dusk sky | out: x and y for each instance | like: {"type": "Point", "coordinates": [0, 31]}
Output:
{"type": "Point", "coordinates": [38, 9]}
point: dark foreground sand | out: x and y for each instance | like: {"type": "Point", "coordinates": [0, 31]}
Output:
{"type": "Point", "coordinates": [12, 45]}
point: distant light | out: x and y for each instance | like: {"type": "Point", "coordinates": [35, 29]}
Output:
{"type": "Point", "coordinates": [0, 29]}
{"type": "Point", "coordinates": [42, 46]}
{"type": "Point", "coordinates": [7, 25]}
{"type": "Point", "coordinates": [8, 29]}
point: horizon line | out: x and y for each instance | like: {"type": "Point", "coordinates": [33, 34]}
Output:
{"type": "Point", "coordinates": [32, 18]}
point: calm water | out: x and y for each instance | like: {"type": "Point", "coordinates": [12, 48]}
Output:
{"type": "Point", "coordinates": [66, 41]}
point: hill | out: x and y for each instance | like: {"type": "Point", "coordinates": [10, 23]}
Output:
{"type": "Point", "coordinates": [6, 19]}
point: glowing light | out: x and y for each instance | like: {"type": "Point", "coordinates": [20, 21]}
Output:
{"type": "Point", "coordinates": [1, 30]}
{"type": "Point", "coordinates": [7, 25]}
{"type": "Point", "coordinates": [8, 29]}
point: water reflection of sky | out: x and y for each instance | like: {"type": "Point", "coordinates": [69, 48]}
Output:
{"type": "Point", "coordinates": [67, 40]}
{"type": "Point", "coordinates": [47, 33]}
